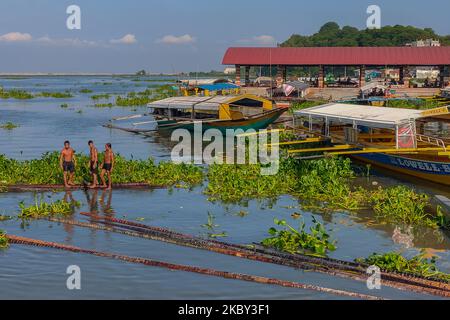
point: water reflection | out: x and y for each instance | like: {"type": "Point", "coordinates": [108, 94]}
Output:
{"type": "Point", "coordinates": [102, 205]}
{"type": "Point", "coordinates": [69, 229]}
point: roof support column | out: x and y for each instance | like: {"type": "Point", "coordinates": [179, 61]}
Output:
{"type": "Point", "coordinates": [362, 76]}
{"type": "Point", "coordinates": [321, 80]}
{"type": "Point", "coordinates": [442, 76]}
{"type": "Point", "coordinates": [238, 75]}
{"type": "Point", "coordinates": [247, 75]}
{"type": "Point", "coordinates": [404, 76]}
{"type": "Point", "coordinates": [281, 75]}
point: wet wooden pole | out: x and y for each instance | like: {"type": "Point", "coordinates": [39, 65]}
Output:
{"type": "Point", "coordinates": [328, 266]}
{"type": "Point", "coordinates": [205, 271]}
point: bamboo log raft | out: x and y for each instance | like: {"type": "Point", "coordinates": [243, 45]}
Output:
{"type": "Point", "coordinates": [324, 265]}
{"type": "Point", "coordinates": [51, 187]}
{"type": "Point", "coordinates": [193, 269]}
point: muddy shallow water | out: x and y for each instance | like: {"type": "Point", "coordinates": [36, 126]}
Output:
{"type": "Point", "coordinates": [29, 272]}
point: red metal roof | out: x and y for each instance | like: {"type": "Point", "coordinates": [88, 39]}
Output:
{"type": "Point", "coordinates": [381, 56]}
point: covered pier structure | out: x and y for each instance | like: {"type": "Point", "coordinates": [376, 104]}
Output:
{"type": "Point", "coordinates": [404, 59]}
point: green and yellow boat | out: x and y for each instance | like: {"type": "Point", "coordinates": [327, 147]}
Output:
{"type": "Point", "coordinates": [221, 112]}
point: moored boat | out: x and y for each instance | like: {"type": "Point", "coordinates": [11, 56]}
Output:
{"type": "Point", "coordinates": [211, 112]}
{"type": "Point", "coordinates": [390, 138]}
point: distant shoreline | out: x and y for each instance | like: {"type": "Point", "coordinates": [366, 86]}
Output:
{"type": "Point", "coordinates": [84, 74]}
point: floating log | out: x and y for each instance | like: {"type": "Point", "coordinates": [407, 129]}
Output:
{"type": "Point", "coordinates": [51, 187]}
{"type": "Point", "coordinates": [193, 269]}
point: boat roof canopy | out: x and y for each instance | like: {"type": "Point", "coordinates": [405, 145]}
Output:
{"type": "Point", "coordinates": [219, 86]}
{"type": "Point", "coordinates": [372, 86]}
{"type": "Point", "coordinates": [209, 103]}
{"type": "Point", "coordinates": [379, 117]}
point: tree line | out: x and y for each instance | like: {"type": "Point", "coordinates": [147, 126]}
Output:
{"type": "Point", "coordinates": [332, 35]}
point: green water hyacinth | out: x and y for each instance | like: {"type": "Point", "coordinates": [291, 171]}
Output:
{"type": "Point", "coordinates": [417, 265]}
{"type": "Point", "coordinates": [3, 240]}
{"type": "Point", "coordinates": [57, 95]}
{"type": "Point", "coordinates": [104, 96]}
{"type": "Point", "coordinates": [42, 209]}
{"type": "Point", "coordinates": [144, 97]}
{"type": "Point", "coordinates": [47, 171]}
{"type": "Point", "coordinates": [324, 180]}
{"type": "Point", "coordinates": [9, 126]}
{"type": "Point", "coordinates": [401, 204]}
{"type": "Point", "coordinates": [15, 94]}
{"type": "Point", "coordinates": [316, 242]}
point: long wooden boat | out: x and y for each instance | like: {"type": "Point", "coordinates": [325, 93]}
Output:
{"type": "Point", "coordinates": [256, 122]}
{"type": "Point", "coordinates": [211, 112]}
{"type": "Point", "coordinates": [389, 138]}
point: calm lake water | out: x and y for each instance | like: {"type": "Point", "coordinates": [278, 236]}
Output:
{"type": "Point", "coordinates": [29, 273]}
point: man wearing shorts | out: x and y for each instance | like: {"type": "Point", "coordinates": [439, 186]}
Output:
{"type": "Point", "coordinates": [107, 166]}
{"type": "Point", "coordinates": [93, 164]}
{"type": "Point", "coordinates": [67, 163]}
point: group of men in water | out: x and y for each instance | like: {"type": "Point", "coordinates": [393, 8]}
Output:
{"type": "Point", "coordinates": [67, 162]}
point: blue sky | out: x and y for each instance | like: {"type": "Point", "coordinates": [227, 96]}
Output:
{"type": "Point", "coordinates": [176, 35]}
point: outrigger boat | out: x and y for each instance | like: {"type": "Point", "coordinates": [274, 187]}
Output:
{"type": "Point", "coordinates": [212, 112]}
{"type": "Point", "coordinates": [390, 138]}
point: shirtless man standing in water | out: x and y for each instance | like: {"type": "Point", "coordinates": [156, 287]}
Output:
{"type": "Point", "coordinates": [107, 166]}
{"type": "Point", "coordinates": [67, 163]}
{"type": "Point", "coordinates": [93, 164]}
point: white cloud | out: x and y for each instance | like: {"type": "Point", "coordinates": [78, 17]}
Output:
{"type": "Point", "coordinates": [16, 37]}
{"type": "Point", "coordinates": [260, 40]}
{"type": "Point", "coordinates": [171, 39]}
{"type": "Point", "coordinates": [126, 39]}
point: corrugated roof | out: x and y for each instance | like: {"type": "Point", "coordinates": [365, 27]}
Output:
{"type": "Point", "coordinates": [200, 103]}
{"type": "Point", "coordinates": [362, 115]}
{"type": "Point", "coordinates": [380, 56]}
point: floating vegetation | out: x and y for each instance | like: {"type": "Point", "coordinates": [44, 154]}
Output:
{"type": "Point", "coordinates": [401, 204]}
{"type": "Point", "coordinates": [211, 226]}
{"type": "Point", "coordinates": [421, 104]}
{"type": "Point", "coordinates": [131, 100]}
{"type": "Point", "coordinates": [4, 243]}
{"type": "Point", "coordinates": [305, 104]}
{"type": "Point", "coordinates": [5, 218]}
{"type": "Point", "coordinates": [97, 97]}
{"type": "Point", "coordinates": [324, 184]}
{"type": "Point", "coordinates": [42, 209]}
{"type": "Point", "coordinates": [9, 126]}
{"type": "Point", "coordinates": [64, 105]}
{"type": "Point", "coordinates": [57, 95]}
{"type": "Point", "coordinates": [144, 97]}
{"type": "Point", "coordinates": [103, 105]}
{"type": "Point", "coordinates": [418, 265]}
{"type": "Point", "coordinates": [323, 179]}
{"type": "Point", "coordinates": [86, 91]}
{"type": "Point", "coordinates": [46, 171]}
{"type": "Point", "coordinates": [294, 241]}
{"type": "Point", "coordinates": [15, 94]}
